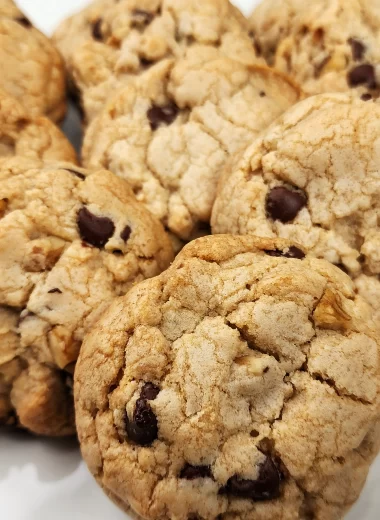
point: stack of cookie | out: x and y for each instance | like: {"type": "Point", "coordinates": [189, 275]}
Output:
{"type": "Point", "coordinates": [243, 380]}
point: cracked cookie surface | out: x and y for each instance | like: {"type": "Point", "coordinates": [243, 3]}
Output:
{"type": "Point", "coordinates": [34, 137]}
{"type": "Point", "coordinates": [313, 177]}
{"type": "Point", "coordinates": [171, 133]}
{"type": "Point", "coordinates": [326, 45]}
{"type": "Point", "coordinates": [225, 387]}
{"type": "Point", "coordinates": [112, 41]}
{"type": "Point", "coordinates": [71, 240]}
{"type": "Point", "coordinates": [32, 70]}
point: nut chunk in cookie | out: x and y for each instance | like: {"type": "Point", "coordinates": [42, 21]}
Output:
{"type": "Point", "coordinates": [34, 137]}
{"type": "Point", "coordinates": [32, 70]}
{"type": "Point", "coordinates": [225, 384]}
{"type": "Point", "coordinates": [112, 41]}
{"type": "Point", "coordinates": [71, 241]}
{"type": "Point", "coordinates": [321, 190]}
{"type": "Point", "coordinates": [326, 45]}
{"type": "Point", "coordinates": [171, 133]}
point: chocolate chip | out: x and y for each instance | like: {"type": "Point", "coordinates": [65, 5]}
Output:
{"type": "Point", "coordinates": [126, 233]}
{"type": "Point", "coordinates": [77, 174]}
{"type": "Point", "coordinates": [94, 230]}
{"type": "Point", "coordinates": [97, 30]}
{"type": "Point", "coordinates": [284, 204]}
{"type": "Point", "coordinates": [357, 48]}
{"type": "Point", "coordinates": [192, 472]}
{"type": "Point", "coordinates": [162, 115]}
{"type": "Point", "coordinates": [149, 392]}
{"type": "Point", "coordinates": [142, 17]}
{"type": "Point", "coordinates": [362, 75]}
{"type": "Point", "coordinates": [366, 97]}
{"type": "Point", "coordinates": [266, 487]}
{"type": "Point", "coordinates": [53, 291]}
{"type": "Point", "coordinates": [292, 252]}
{"type": "Point", "coordinates": [117, 252]}
{"type": "Point", "coordinates": [143, 428]}
{"type": "Point", "coordinates": [23, 20]}
{"type": "Point", "coordinates": [262, 94]}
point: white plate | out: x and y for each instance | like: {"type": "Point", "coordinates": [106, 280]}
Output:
{"type": "Point", "coordinates": [45, 479]}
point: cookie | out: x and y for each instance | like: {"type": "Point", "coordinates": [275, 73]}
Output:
{"type": "Point", "coordinates": [313, 177]}
{"type": "Point", "coordinates": [171, 132]}
{"type": "Point", "coordinates": [111, 41]}
{"type": "Point", "coordinates": [224, 387]}
{"type": "Point", "coordinates": [32, 70]}
{"type": "Point", "coordinates": [326, 45]}
{"type": "Point", "coordinates": [81, 240]}
{"type": "Point", "coordinates": [27, 136]}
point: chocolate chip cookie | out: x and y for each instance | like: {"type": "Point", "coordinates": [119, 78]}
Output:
{"type": "Point", "coordinates": [326, 45]}
{"type": "Point", "coordinates": [27, 136]}
{"type": "Point", "coordinates": [70, 242]}
{"type": "Point", "coordinates": [32, 70]}
{"type": "Point", "coordinates": [313, 177]}
{"type": "Point", "coordinates": [111, 41]}
{"type": "Point", "coordinates": [171, 132]}
{"type": "Point", "coordinates": [225, 386]}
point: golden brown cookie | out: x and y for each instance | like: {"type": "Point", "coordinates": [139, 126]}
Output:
{"type": "Point", "coordinates": [32, 70]}
{"type": "Point", "coordinates": [110, 41]}
{"type": "Point", "coordinates": [225, 387]}
{"type": "Point", "coordinates": [171, 132]}
{"type": "Point", "coordinates": [71, 240]}
{"type": "Point", "coordinates": [313, 177]}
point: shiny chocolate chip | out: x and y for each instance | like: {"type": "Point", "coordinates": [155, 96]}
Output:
{"type": "Point", "coordinates": [291, 252]}
{"type": "Point", "coordinates": [362, 75]}
{"type": "Point", "coordinates": [126, 233]}
{"type": "Point", "coordinates": [266, 487]}
{"type": "Point", "coordinates": [97, 30]}
{"type": "Point", "coordinates": [149, 392]}
{"type": "Point", "coordinates": [284, 204]}
{"type": "Point", "coordinates": [357, 48]}
{"type": "Point", "coordinates": [143, 428]}
{"type": "Point", "coordinates": [94, 230]}
{"type": "Point", "coordinates": [192, 472]}
{"type": "Point", "coordinates": [164, 115]}
{"type": "Point", "coordinates": [55, 291]}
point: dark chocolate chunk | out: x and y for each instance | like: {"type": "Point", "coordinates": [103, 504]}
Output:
{"type": "Point", "coordinates": [94, 230]}
{"type": "Point", "coordinates": [284, 204]}
{"type": "Point", "coordinates": [292, 252]}
{"type": "Point", "coordinates": [362, 75]}
{"type": "Point", "coordinates": [366, 97]}
{"type": "Point", "coordinates": [97, 30]}
{"type": "Point", "coordinates": [357, 48]}
{"type": "Point", "coordinates": [164, 115]}
{"type": "Point", "coordinates": [126, 233]}
{"type": "Point", "coordinates": [266, 487]}
{"type": "Point", "coordinates": [143, 428]}
{"type": "Point", "coordinates": [192, 472]}
{"type": "Point", "coordinates": [56, 290]}
{"type": "Point", "coordinates": [149, 392]}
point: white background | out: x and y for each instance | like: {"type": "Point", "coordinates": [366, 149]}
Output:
{"type": "Point", "coordinates": [45, 479]}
